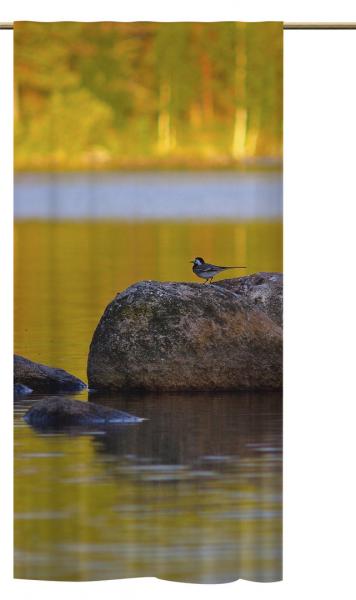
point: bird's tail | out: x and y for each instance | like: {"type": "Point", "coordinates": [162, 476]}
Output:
{"type": "Point", "coordinates": [234, 267]}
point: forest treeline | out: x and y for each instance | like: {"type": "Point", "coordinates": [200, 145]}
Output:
{"type": "Point", "coordinates": [116, 95]}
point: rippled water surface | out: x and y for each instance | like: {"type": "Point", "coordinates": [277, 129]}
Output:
{"type": "Point", "coordinates": [193, 493]}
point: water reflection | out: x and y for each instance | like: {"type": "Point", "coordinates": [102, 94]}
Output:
{"type": "Point", "coordinates": [183, 428]}
{"type": "Point", "coordinates": [193, 493]}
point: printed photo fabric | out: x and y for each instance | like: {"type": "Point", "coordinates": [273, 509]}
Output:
{"type": "Point", "coordinates": [148, 301]}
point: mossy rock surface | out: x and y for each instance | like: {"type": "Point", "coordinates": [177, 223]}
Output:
{"type": "Point", "coordinates": [158, 336]}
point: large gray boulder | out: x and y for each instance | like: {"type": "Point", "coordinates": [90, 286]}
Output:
{"type": "Point", "coordinates": [41, 378]}
{"type": "Point", "coordinates": [190, 336]}
{"type": "Point", "coordinates": [65, 412]}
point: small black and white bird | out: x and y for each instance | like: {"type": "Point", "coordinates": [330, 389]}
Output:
{"type": "Point", "coordinates": [207, 271]}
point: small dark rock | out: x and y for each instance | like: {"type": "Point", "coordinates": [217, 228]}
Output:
{"type": "Point", "coordinates": [20, 389]}
{"type": "Point", "coordinates": [41, 378]}
{"type": "Point", "coordinates": [63, 412]}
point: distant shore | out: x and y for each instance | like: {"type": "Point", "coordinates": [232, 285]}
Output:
{"type": "Point", "coordinates": [151, 164]}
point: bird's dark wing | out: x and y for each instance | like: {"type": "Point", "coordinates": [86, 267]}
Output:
{"type": "Point", "coordinates": [209, 267]}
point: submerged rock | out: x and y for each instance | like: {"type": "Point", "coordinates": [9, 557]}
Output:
{"type": "Point", "coordinates": [64, 412]}
{"type": "Point", "coordinates": [41, 378]}
{"type": "Point", "coordinates": [21, 390]}
{"type": "Point", "coordinates": [188, 336]}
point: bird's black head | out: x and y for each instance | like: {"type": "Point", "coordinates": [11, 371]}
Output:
{"type": "Point", "coordinates": [198, 260]}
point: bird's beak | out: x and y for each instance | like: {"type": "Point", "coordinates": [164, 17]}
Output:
{"type": "Point", "coordinates": [191, 261]}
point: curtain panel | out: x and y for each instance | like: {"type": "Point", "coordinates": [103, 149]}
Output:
{"type": "Point", "coordinates": [148, 301]}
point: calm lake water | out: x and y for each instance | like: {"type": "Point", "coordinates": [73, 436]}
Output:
{"type": "Point", "coordinates": [193, 493]}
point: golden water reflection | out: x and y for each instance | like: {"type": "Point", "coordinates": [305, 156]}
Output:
{"type": "Point", "coordinates": [194, 492]}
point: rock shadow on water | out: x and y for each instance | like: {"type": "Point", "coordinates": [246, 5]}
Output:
{"type": "Point", "coordinates": [200, 431]}
{"type": "Point", "coordinates": [179, 435]}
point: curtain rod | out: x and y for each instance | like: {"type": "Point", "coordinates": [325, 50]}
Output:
{"type": "Point", "coordinates": [299, 26]}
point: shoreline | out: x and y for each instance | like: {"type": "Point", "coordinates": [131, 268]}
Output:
{"type": "Point", "coordinates": [262, 165]}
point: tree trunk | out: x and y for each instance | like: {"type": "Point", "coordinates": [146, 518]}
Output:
{"type": "Point", "coordinates": [253, 133]}
{"type": "Point", "coordinates": [16, 101]}
{"type": "Point", "coordinates": [164, 119]}
{"type": "Point", "coordinates": [207, 92]}
{"type": "Point", "coordinates": [238, 149]}
{"type": "Point", "coordinates": [240, 129]}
